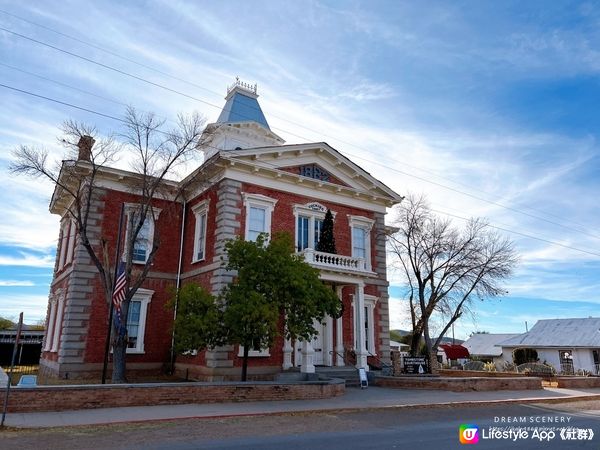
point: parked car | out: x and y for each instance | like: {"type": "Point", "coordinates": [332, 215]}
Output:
{"type": "Point", "coordinates": [27, 381]}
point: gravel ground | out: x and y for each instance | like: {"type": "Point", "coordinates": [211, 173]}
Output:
{"type": "Point", "coordinates": [144, 435]}
{"type": "Point", "coordinates": [196, 432]}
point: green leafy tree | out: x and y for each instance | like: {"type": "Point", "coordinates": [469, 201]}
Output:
{"type": "Point", "coordinates": [199, 319]}
{"type": "Point", "coordinates": [273, 284]}
{"type": "Point", "coordinates": [326, 239]}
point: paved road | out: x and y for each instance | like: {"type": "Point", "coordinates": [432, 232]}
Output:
{"type": "Point", "coordinates": [435, 428]}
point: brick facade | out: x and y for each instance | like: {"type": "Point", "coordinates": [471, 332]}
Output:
{"type": "Point", "coordinates": [351, 194]}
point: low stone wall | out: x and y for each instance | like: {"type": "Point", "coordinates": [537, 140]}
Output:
{"type": "Point", "coordinates": [577, 382]}
{"type": "Point", "coordinates": [456, 384]}
{"type": "Point", "coordinates": [61, 398]}
{"type": "Point", "coordinates": [479, 373]}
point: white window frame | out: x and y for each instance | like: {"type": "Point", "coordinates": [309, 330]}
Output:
{"type": "Point", "coordinates": [51, 319]}
{"type": "Point", "coordinates": [64, 242]}
{"type": "Point", "coordinates": [144, 296]}
{"type": "Point", "coordinates": [261, 202]}
{"type": "Point", "coordinates": [365, 224]}
{"type": "Point", "coordinates": [152, 216]}
{"type": "Point", "coordinates": [71, 247]}
{"type": "Point", "coordinates": [254, 353]}
{"type": "Point", "coordinates": [58, 319]}
{"type": "Point", "coordinates": [313, 211]}
{"type": "Point", "coordinates": [201, 216]}
{"type": "Point", "coordinates": [370, 303]}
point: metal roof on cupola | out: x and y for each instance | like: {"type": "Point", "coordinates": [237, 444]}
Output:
{"type": "Point", "coordinates": [240, 125]}
{"type": "Point", "coordinates": [242, 105]}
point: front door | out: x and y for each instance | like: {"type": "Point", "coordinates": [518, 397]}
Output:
{"type": "Point", "coordinates": [317, 344]}
{"type": "Point", "coordinates": [321, 344]}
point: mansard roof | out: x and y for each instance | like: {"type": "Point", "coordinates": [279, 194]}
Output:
{"type": "Point", "coordinates": [242, 105]}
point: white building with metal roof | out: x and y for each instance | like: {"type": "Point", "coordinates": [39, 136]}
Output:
{"type": "Point", "coordinates": [568, 345]}
{"type": "Point", "coordinates": [484, 346]}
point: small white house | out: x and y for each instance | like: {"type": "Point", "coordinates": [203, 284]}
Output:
{"type": "Point", "coordinates": [484, 347]}
{"type": "Point", "coordinates": [567, 344]}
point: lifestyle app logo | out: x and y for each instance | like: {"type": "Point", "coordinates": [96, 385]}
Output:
{"type": "Point", "coordinates": [468, 434]}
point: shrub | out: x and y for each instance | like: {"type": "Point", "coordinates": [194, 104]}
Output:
{"type": "Point", "coordinates": [473, 365]}
{"type": "Point", "coordinates": [536, 369]}
{"type": "Point", "coordinates": [489, 367]}
{"type": "Point", "coordinates": [508, 367]}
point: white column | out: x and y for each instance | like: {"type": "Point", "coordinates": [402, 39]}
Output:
{"type": "Point", "coordinates": [359, 327]}
{"type": "Point", "coordinates": [339, 334]}
{"type": "Point", "coordinates": [287, 354]}
{"type": "Point", "coordinates": [328, 341]}
{"type": "Point", "coordinates": [308, 354]}
{"type": "Point", "coordinates": [50, 327]}
{"type": "Point", "coordinates": [58, 323]}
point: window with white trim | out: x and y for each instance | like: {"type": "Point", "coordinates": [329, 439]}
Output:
{"type": "Point", "coordinates": [309, 221]}
{"type": "Point", "coordinates": [145, 238]}
{"type": "Point", "coordinates": [370, 303]}
{"type": "Point", "coordinates": [201, 215]}
{"type": "Point", "coordinates": [50, 327]}
{"type": "Point", "coordinates": [64, 243]}
{"type": "Point", "coordinates": [259, 210]}
{"type": "Point", "coordinates": [58, 322]}
{"type": "Point", "coordinates": [136, 320]}
{"type": "Point", "coordinates": [361, 237]}
{"type": "Point", "coordinates": [71, 246]}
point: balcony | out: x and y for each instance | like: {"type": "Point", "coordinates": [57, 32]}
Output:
{"type": "Point", "coordinates": [337, 263]}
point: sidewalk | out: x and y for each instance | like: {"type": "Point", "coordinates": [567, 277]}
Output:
{"type": "Point", "coordinates": [355, 398]}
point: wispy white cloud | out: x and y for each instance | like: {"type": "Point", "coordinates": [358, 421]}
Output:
{"type": "Point", "coordinates": [27, 259]}
{"type": "Point", "coordinates": [32, 306]}
{"type": "Point", "coordinates": [16, 283]}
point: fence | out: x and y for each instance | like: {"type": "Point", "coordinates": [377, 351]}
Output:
{"type": "Point", "coordinates": [17, 371]}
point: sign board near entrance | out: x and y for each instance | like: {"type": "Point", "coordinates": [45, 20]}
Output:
{"type": "Point", "coordinates": [362, 375]}
{"type": "Point", "coordinates": [416, 365]}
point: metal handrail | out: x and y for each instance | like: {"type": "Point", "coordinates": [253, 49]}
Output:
{"type": "Point", "coordinates": [381, 363]}
{"type": "Point", "coordinates": [333, 352]}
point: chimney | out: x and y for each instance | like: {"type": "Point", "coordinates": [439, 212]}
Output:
{"type": "Point", "coordinates": [85, 145]}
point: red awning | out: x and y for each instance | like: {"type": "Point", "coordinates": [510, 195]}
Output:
{"type": "Point", "coordinates": [455, 351]}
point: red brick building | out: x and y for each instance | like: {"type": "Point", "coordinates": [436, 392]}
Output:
{"type": "Point", "coordinates": [257, 184]}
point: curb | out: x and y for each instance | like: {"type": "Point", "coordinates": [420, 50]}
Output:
{"type": "Point", "coordinates": [469, 403]}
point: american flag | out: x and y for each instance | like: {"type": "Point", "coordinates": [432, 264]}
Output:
{"type": "Point", "coordinates": [119, 292]}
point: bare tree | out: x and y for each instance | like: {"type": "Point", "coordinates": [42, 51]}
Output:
{"type": "Point", "coordinates": [446, 267]}
{"type": "Point", "coordinates": [154, 155]}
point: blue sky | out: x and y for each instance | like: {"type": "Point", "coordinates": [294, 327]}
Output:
{"type": "Point", "coordinates": [475, 104]}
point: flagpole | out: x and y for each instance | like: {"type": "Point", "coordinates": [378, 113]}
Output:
{"type": "Point", "coordinates": [112, 304]}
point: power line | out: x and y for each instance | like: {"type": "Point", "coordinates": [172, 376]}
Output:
{"type": "Point", "coordinates": [508, 230]}
{"type": "Point", "coordinates": [69, 86]}
{"type": "Point", "coordinates": [124, 58]}
{"type": "Point", "coordinates": [519, 211]}
{"type": "Point", "coordinates": [136, 77]}
{"type": "Point", "coordinates": [233, 152]}
{"type": "Point", "coordinates": [191, 83]}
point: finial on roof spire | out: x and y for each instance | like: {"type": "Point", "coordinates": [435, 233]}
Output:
{"type": "Point", "coordinates": [251, 88]}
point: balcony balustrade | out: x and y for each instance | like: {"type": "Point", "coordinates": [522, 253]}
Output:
{"type": "Point", "coordinates": [339, 263]}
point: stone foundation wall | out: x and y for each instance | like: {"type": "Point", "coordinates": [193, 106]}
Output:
{"type": "Point", "coordinates": [62, 398]}
{"type": "Point", "coordinates": [460, 384]}
{"type": "Point", "coordinates": [578, 382]}
{"type": "Point", "coordinates": [479, 373]}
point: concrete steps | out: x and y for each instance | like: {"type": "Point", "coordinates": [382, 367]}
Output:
{"type": "Point", "coordinates": [348, 374]}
